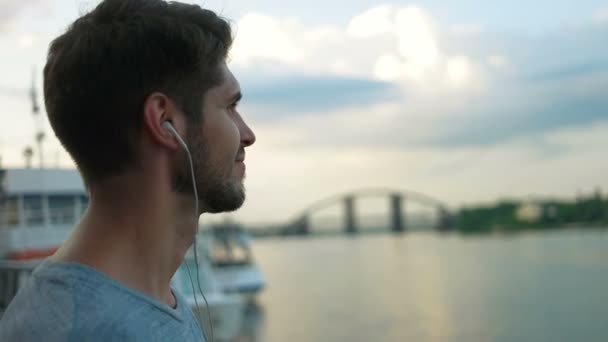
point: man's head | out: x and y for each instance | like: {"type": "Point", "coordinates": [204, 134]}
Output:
{"type": "Point", "coordinates": [106, 75]}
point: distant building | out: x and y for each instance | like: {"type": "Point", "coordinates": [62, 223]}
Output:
{"type": "Point", "coordinates": [529, 212]}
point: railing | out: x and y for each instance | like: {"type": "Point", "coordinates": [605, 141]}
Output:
{"type": "Point", "coordinates": [13, 275]}
{"type": "Point", "coordinates": [39, 217]}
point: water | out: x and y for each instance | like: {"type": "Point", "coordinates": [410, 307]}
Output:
{"type": "Point", "coordinates": [549, 286]}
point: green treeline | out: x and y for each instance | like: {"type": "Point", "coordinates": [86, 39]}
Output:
{"type": "Point", "coordinates": [506, 216]}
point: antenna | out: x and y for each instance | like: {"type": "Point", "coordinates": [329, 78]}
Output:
{"type": "Point", "coordinates": [28, 153]}
{"type": "Point", "coordinates": [37, 117]}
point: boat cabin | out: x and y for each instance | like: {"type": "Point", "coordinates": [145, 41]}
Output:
{"type": "Point", "coordinates": [38, 208]}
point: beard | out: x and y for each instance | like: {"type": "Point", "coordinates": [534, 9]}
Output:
{"type": "Point", "coordinates": [217, 192]}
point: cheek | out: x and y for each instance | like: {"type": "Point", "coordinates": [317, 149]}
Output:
{"type": "Point", "coordinates": [231, 134]}
{"type": "Point", "coordinates": [223, 138]}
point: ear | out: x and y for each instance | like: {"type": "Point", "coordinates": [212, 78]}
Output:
{"type": "Point", "coordinates": [157, 109]}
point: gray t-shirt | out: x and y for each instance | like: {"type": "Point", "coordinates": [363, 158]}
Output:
{"type": "Point", "coordinates": [73, 302]}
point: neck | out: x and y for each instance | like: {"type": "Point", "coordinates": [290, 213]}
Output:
{"type": "Point", "coordinates": [135, 233]}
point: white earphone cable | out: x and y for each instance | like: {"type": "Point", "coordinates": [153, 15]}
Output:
{"type": "Point", "coordinates": [196, 217]}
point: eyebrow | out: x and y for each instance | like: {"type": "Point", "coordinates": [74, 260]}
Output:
{"type": "Point", "coordinates": [236, 97]}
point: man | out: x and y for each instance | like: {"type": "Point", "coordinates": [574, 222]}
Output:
{"type": "Point", "coordinates": [111, 83]}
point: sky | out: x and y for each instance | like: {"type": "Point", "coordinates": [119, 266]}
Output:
{"type": "Point", "coordinates": [466, 101]}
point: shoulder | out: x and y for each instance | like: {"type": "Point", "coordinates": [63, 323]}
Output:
{"type": "Point", "coordinates": [73, 303]}
{"type": "Point", "coordinates": [63, 302]}
{"type": "Point", "coordinates": [39, 312]}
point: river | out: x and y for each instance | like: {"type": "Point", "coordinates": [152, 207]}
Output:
{"type": "Point", "coordinates": [424, 286]}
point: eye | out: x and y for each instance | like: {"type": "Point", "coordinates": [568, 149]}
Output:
{"type": "Point", "coordinates": [233, 106]}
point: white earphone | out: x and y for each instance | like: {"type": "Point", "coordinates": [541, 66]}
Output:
{"type": "Point", "coordinates": [169, 126]}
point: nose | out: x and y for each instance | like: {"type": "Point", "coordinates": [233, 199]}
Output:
{"type": "Point", "coordinates": [247, 136]}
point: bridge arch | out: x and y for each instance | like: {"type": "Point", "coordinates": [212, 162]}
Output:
{"type": "Point", "coordinates": [300, 224]}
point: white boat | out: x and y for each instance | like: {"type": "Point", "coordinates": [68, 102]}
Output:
{"type": "Point", "coordinates": [225, 310]}
{"type": "Point", "coordinates": [38, 209]}
{"type": "Point", "coordinates": [228, 277]}
{"type": "Point", "coordinates": [232, 259]}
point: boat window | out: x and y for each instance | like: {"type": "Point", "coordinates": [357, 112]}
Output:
{"type": "Point", "coordinates": [227, 251]}
{"type": "Point", "coordinates": [32, 210]}
{"type": "Point", "coordinates": [61, 209]}
{"type": "Point", "coordinates": [9, 212]}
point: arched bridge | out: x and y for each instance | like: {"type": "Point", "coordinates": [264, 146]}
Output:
{"type": "Point", "coordinates": [301, 225]}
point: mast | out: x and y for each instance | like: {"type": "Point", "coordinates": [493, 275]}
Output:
{"type": "Point", "coordinates": [37, 118]}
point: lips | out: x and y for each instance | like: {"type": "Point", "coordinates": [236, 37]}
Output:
{"type": "Point", "coordinates": [240, 157]}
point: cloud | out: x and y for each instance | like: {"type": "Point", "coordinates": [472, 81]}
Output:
{"type": "Point", "coordinates": [417, 40]}
{"type": "Point", "coordinates": [458, 70]}
{"type": "Point", "coordinates": [517, 110]}
{"type": "Point", "coordinates": [264, 37]}
{"type": "Point", "coordinates": [498, 61]}
{"type": "Point", "coordinates": [388, 43]}
{"type": "Point", "coordinates": [566, 72]}
{"type": "Point", "coordinates": [13, 92]}
{"type": "Point", "coordinates": [525, 118]}
{"type": "Point", "coordinates": [410, 82]}
{"type": "Point", "coordinates": [413, 82]}
{"type": "Point", "coordinates": [291, 95]}
{"type": "Point", "coordinates": [601, 16]}
{"type": "Point", "coordinates": [10, 9]}
{"type": "Point", "coordinates": [466, 29]}
{"type": "Point", "coordinates": [371, 23]}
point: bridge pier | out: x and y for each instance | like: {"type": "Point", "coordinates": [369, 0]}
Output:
{"type": "Point", "coordinates": [350, 221]}
{"type": "Point", "coordinates": [303, 225]}
{"type": "Point", "coordinates": [397, 214]}
{"type": "Point", "coordinates": [445, 220]}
